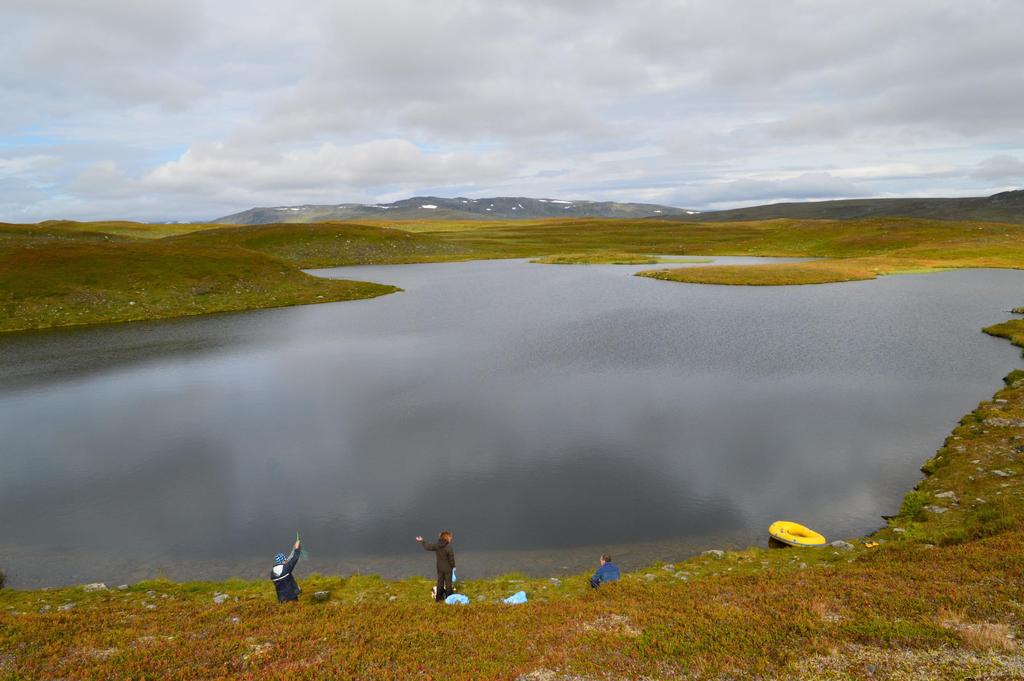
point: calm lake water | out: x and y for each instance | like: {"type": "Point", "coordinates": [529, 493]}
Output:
{"type": "Point", "coordinates": [543, 413]}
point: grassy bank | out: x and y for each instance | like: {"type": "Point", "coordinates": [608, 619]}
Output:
{"type": "Point", "coordinates": [782, 274]}
{"type": "Point", "coordinates": [939, 596]}
{"type": "Point", "coordinates": [87, 282]}
{"type": "Point", "coordinates": [60, 273]}
{"type": "Point", "coordinates": [605, 258]}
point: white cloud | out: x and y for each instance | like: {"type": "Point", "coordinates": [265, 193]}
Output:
{"type": "Point", "coordinates": [750, 190]}
{"type": "Point", "coordinates": [22, 166]}
{"type": "Point", "coordinates": [1001, 167]}
{"type": "Point", "coordinates": [371, 164]}
{"type": "Point", "coordinates": [192, 109]}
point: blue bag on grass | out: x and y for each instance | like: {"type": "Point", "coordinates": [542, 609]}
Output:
{"type": "Point", "coordinates": [457, 599]}
{"type": "Point", "coordinates": [516, 598]}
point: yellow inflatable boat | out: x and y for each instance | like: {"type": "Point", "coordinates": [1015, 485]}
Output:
{"type": "Point", "coordinates": [795, 534]}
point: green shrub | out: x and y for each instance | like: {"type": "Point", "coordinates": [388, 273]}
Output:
{"type": "Point", "coordinates": [935, 463]}
{"type": "Point", "coordinates": [913, 505]}
{"type": "Point", "coordinates": [1014, 377]}
{"type": "Point", "coordinates": [987, 520]}
{"type": "Point", "coordinates": [898, 632]}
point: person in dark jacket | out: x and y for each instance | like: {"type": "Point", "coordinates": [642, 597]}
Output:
{"type": "Point", "coordinates": [608, 572]}
{"type": "Point", "coordinates": [445, 564]}
{"type": "Point", "coordinates": [281, 575]}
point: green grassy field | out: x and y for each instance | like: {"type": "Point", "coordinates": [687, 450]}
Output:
{"type": "Point", "coordinates": [60, 273]}
{"type": "Point", "coordinates": [612, 258]}
{"type": "Point", "coordinates": [86, 281]}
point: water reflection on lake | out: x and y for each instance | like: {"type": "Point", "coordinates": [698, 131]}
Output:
{"type": "Point", "coordinates": [543, 413]}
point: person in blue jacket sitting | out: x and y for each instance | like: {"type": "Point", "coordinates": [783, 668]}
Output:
{"type": "Point", "coordinates": [608, 572]}
{"type": "Point", "coordinates": [281, 575]}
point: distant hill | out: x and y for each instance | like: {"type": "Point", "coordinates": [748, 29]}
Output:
{"type": "Point", "coordinates": [1002, 207]}
{"type": "Point", "coordinates": [459, 208]}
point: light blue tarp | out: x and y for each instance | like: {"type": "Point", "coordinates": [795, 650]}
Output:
{"type": "Point", "coordinates": [457, 599]}
{"type": "Point", "coordinates": [516, 598]}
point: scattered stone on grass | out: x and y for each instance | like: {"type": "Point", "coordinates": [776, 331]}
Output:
{"type": "Point", "coordinates": [321, 596]}
{"type": "Point", "coordinates": [101, 653]}
{"type": "Point", "coordinates": [96, 586]}
{"type": "Point", "coordinates": [861, 661]}
{"type": "Point", "coordinates": [613, 624]}
{"type": "Point", "coordinates": [219, 598]}
{"type": "Point", "coordinates": [550, 675]}
{"type": "Point", "coordinates": [842, 545]}
{"type": "Point", "coordinates": [998, 421]}
{"type": "Point", "coordinates": [256, 650]}
{"type": "Point", "coordinates": [714, 553]}
{"type": "Point", "coordinates": [938, 510]}
{"type": "Point", "coordinates": [66, 607]}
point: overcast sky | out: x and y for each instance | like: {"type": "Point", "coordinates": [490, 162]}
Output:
{"type": "Point", "coordinates": [185, 110]}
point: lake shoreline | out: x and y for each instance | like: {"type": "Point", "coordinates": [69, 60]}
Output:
{"type": "Point", "coordinates": [943, 577]}
{"type": "Point", "coordinates": [55, 275]}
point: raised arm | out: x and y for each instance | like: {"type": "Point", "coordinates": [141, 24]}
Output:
{"type": "Point", "coordinates": [294, 560]}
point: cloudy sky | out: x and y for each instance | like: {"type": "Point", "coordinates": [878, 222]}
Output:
{"type": "Point", "coordinates": [190, 110]}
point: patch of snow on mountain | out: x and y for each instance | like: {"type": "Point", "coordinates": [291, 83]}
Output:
{"type": "Point", "coordinates": [693, 212]}
{"type": "Point", "coordinates": [568, 202]}
{"type": "Point", "coordinates": [429, 206]}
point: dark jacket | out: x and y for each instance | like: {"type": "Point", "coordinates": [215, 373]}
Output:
{"type": "Point", "coordinates": [445, 555]}
{"type": "Point", "coordinates": [284, 582]}
{"type": "Point", "coordinates": [608, 572]}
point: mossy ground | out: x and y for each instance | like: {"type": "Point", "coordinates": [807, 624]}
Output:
{"type": "Point", "coordinates": [606, 258]}
{"type": "Point", "coordinates": [75, 267]}
{"type": "Point", "coordinates": [84, 282]}
{"type": "Point", "coordinates": [62, 274]}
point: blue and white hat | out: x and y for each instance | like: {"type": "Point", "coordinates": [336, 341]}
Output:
{"type": "Point", "coordinates": [279, 559]}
